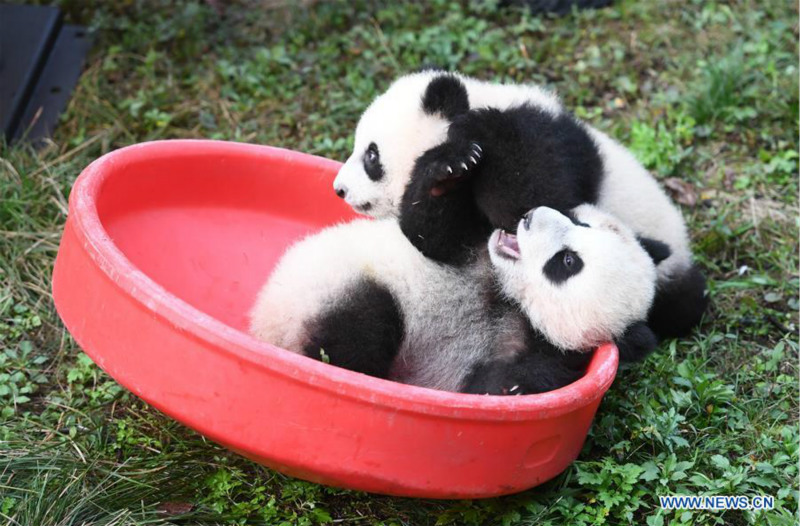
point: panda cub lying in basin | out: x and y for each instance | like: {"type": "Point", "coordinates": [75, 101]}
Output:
{"type": "Point", "coordinates": [520, 318]}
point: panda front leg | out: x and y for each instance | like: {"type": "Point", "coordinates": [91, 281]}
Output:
{"type": "Point", "coordinates": [448, 166]}
{"type": "Point", "coordinates": [455, 161]}
{"type": "Point", "coordinates": [438, 214]}
{"type": "Point", "coordinates": [500, 182]}
{"type": "Point", "coordinates": [361, 331]}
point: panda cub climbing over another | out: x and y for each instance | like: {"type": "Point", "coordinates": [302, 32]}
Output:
{"type": "Point", "coordinates": [470, 156]}
{"type": "Point", "coordinates": [520, 318]}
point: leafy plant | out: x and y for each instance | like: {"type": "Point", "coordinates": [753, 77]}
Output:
{"type": "Point", "coordinates": [664, 146]}
{"type": "Point", "coordinates": [704, 91]}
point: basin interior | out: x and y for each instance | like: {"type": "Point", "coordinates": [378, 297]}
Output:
{"type": "Point", "coordinates": [209, 229]}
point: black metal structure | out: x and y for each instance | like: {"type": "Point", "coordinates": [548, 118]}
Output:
{"type": "Point", "coordinates": [40, 62]}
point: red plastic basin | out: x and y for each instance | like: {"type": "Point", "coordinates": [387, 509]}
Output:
{"type": "Point", "coordinates": [165, 248]}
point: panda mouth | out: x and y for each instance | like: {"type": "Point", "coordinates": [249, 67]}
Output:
{"type": "Point", "coordinates": [507, 246]}
{"type": "Point", "coordinates": [362, 207]}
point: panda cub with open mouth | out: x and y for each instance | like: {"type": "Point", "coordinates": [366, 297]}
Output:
{"type": "Point", "coordinates": [521, 318]}
{"type": "Point", "coordinates": [454, 157]}
{"type": "Point", "coordinates": [580, 280]}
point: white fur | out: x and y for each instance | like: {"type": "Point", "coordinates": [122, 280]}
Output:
{"type": "Point", "coordinates": [614, 289]}
{"type": "Point", "coordinates": [633, 195]}
{"type": "Point", "coordinates": [396, 123]}
{"type": "Point", "coordinates": [447, 322]}
{"type": "Point", "coordinates": [447, 328]}
{"type": "Point", "coordinates": [400, 128]}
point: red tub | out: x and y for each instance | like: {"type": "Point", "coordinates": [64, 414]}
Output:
{"type": "Point", "coordinates": [165, 248]}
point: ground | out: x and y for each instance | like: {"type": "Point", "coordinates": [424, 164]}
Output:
{"type": "Point", "coordinates": [705, 93]}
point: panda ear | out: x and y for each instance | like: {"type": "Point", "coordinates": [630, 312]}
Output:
{"type": "Point", "coordinates": [447, 95]}
{"type": "Point", "coordinates": [657, 250]}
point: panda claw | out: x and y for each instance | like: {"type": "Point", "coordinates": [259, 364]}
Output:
{"type": "Point", "coordinates": [449, 170]}
{"type": "Point", "coordinates": [474, 161]}
{"type": "Point", "coordinates": [464, 166]}
{"type": "Point", "coordinates": [477, 147]}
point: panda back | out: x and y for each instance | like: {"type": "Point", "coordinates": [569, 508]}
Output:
{"type": "Point", "coordinates": [484, 94]}
{"type": "Point", "coordinates": [633, 195]}
{"type": "Point", "coordinates": [317, 271]}
{"type": "Point", "coordinates": [443, 311]}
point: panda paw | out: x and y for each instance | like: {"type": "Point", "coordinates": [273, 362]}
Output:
{"type": "Point", "coordinates": [444, 167]}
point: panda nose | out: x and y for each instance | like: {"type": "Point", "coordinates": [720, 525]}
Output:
{"type": "Point", "coordinates": [341, 191]}
{"type": "Point", "coordinates": [526, 219]}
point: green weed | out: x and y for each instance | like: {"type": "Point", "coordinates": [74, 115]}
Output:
{"type": "Point", "coordinates": [703, 91]}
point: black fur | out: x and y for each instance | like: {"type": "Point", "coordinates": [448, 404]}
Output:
{"type": "Point", "coordinates": [571, 215]}
{"type": "Point", "coordinates": [444, 227]}
{"type": "Point", "coordinates": [541, 367]}
{"type": "Point", "coordinates": [636, 343]}
{"type": "Point", "coordinates": [529, 158]}
{"type": "Point", "coordinates": [657, 250]}
{"type": "Point", "coordinates": [563, 265]}
{"type": "Point", "coordinates": [447, 96]}
{"type": "Point", "coordinates": [361, 332]}
{"type": "Point", "coordinates": [679, 304]}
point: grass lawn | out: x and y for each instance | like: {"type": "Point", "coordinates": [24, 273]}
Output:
{"type": "Point", "coordinates": [706, 94]}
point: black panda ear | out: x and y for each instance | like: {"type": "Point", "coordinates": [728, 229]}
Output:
{"type": "Point", "coordinates": [447, 95]}
{"type": "Point", "coordinates": [657, 250]}
{"type": "Point", "coordinates": [636, 343]}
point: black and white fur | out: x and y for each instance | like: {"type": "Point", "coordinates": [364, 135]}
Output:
{"type": "Point", "coordinates": [506, 149]}
{"type": "Point", "coordinates": [515, 320]}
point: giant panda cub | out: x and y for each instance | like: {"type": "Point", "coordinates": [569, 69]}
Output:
{"type": "Point", "coordinates": [468, 156]}
{"type": "Point", "coordinates": [519, 318]}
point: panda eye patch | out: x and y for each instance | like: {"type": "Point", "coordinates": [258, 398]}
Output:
{"type": "Point", "coordinates": [372, 162]}
{"type": "Point", "coordinates": [563, 265]}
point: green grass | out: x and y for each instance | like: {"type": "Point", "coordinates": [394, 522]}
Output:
{"type": "Point", "coordinates": [705, 92]}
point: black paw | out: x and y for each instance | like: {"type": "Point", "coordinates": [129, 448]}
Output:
{"type": "Point", "coordinates": [636, 343]}
{"type": "Point", "coordinates": [447, 165]}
